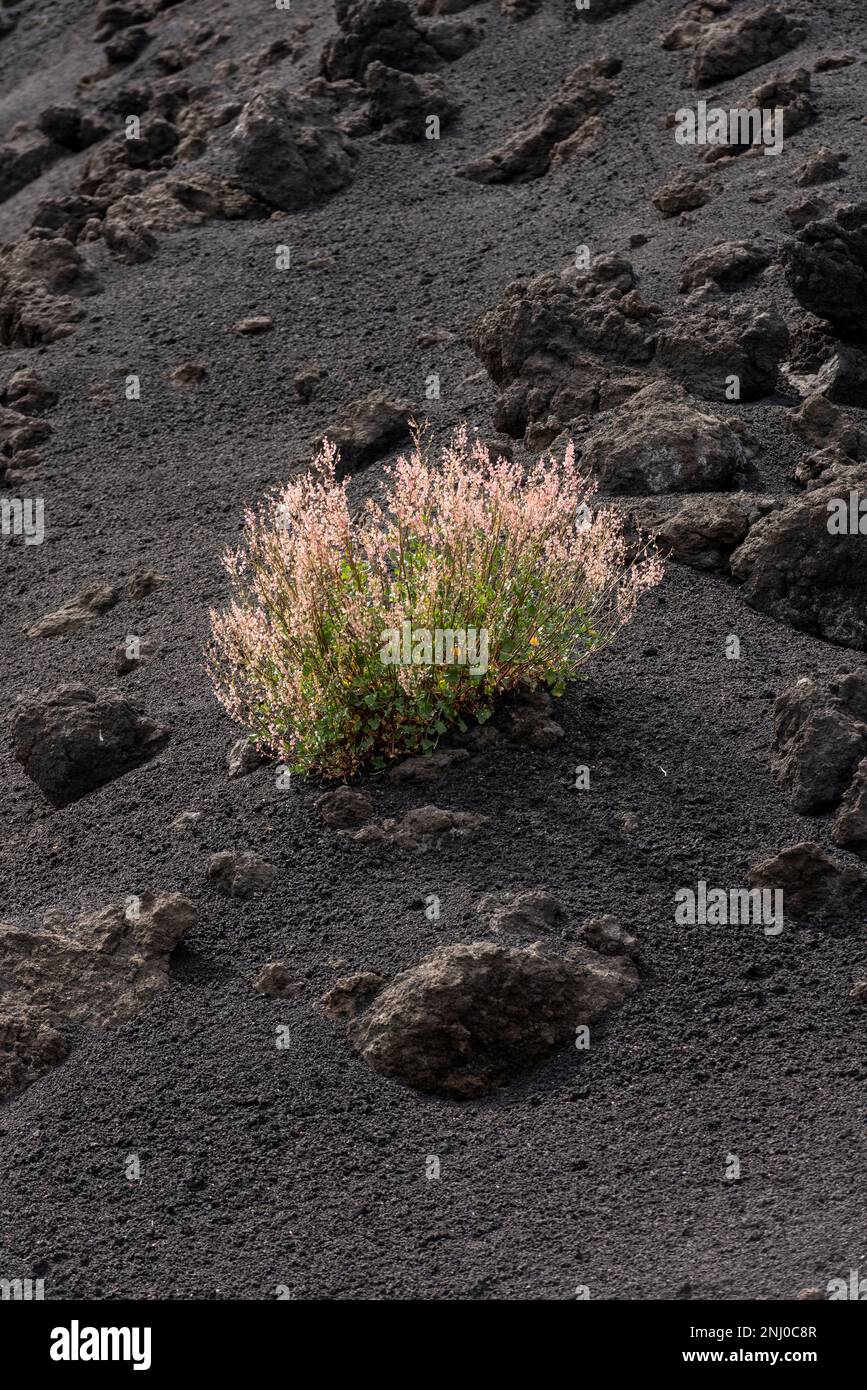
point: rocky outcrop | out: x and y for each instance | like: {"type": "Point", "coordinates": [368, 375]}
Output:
{"type": "Point", "coordinates": [400, 105]}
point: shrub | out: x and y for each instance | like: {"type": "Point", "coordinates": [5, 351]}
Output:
{"type": "Point", "coordinates": [309, 655]}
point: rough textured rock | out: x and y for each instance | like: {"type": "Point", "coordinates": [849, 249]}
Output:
{"type": "Point", "coordinates": [705, 530]}
{"type": "Point", "coordinates": [708, 344]}
{"type": "Point", "coordinates": [820, 736]}
{"type": "Point", "coordinates": [529, 152]}
{"type": "Point", "coordinates": [530, 912]}
{"type": "Point", "coordinates": [19, 433]}
{"type": "Point", "coordinates": [822, 166]}
{"type": "Point", "coordinates": [426, 768]}
{"type": "Point", "coordinates": [399, 104]}
{"type": "Point", "coordinates": [27, 393]}
{"type": "Point", "coordinates": [366, 429]}
{"type": "Point", "coordinates": [821, 424]}
{"type": "Point", "coordinates": [794, 569]}
{"type": "Point", "coordinates": [100, 970]}
{"type": "Point", "coordinates": [287, 150]}
{"type": "Point", "coordinates": [35, 275]}
{"type": "Point", "coordinates": [350, 995]}
{"type": "Point", "coordinates": [814, 885]}
{"type": "Point", "coordinates": [76, 739]}
{"type": "Point", "coordinates": [826, 267]}
{"type": "Point", "coordinates": [129, 656]}
{"type": "Point", "coordinates": [728, 263]}
{"type": "Point", "coordinates": [420, 828]}
{"type": "Point", "coordinates": [23, 157]}
{"type": "Point", "coordinates": [373, 31]}
{"type": "Point", "coordinates": [558, 343]}
{"type": "Point", "coordinates": [660, 440]}
{"type": "Point", "coordinates": [683, 192]}
{"type": "Point", "coordinates": [344, 808]}
{"type": "Point", "coordinates": [850, 827]}
{"type": "Point", "coordinates": [736, 45]}
{"type": "Point", "coordinates": [244, 758]}
{"type": "Point", "coordinates": [277, 981]}
{"type": "Point", "coordinates": [83, 608]}
{"type": "Point", "coordinates": [28, 1049]}
{"type": "Point", "coordinates": [239, 874]}
{"type": "Point", "coordinates": [469, 1016]}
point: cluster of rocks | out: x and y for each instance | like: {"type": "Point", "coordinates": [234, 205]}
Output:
{"type": "Point", "coordinates": [470, 1016]}
{"type": "Point", "coordinates": [98, 971]}
{"type": "Point", "coordinates": [564, 346]}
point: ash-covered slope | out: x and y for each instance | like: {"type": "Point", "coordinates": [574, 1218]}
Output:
{"type": "Point", "coordinates": [226, 231]}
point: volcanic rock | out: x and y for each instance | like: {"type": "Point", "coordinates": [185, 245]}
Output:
{"type": "Point", "coordinates": [813, 884]}
{"type": "Point", "coordinates": [76, 739]}
{"type": "Point", "coordinates": [727, 263]}
{"type": "Point", "coordinates": [343, 809]}
{"type": "Point", "coordinates": [469, 1016]}
{"type": "Point", "coordinates": [820, 736]}
{"type": "Point", "coordinates": [661, 441]}
{"type": "Point", "coordinates": [239, 874]}
{"type": "Point", "coordinates": [75, 612]}
{"type": "Point", "coordinates": [399, 104]}
{"type": "Point", "coordinates": [850, 827]}
{"type": "Point", "coordinates": [736, 45]}
{"type": "Point", "coordinates": [683, 192]}
{"type": "Point", "coordinates": [793, 568]}
{"type": "Point", "coordinates": [287, 150]}
{"type": "Point", "coordinates": [708, 344]}
{"type": "Point", "coordinates": [277, 981]}
{"type": "Point", "coordinates": [826, 267]}
{"type": "Point", "coordinates": [33, 275]}
{"type": "Point", "coordinates": [426, 768]}
{"type": "Point", "coordinates": [373, 31]}
{"type": "Point", "coordinates": [366, 429]}
{"type": "Point", "coordinates": [529, 152]}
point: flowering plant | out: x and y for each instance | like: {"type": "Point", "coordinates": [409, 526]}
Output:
{"type": "Point", "coordinates": [347, 643]}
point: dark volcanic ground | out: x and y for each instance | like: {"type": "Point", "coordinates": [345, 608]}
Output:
{"type": "Point", "coordinates": [300, 1167]}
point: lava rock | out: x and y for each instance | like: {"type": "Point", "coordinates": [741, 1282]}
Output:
{"type": "Point", "coordinates": [276, 981]}
{"type": "Point", "coordinates": [239, 874]}
{"type": "Point", "coordinates": [76, 739]}
{"type": "Point", "coordinates": [100, 971]}
{"type": "Point", "coordinates": [244, 757]}
{"type": "Point", "coordinates": [374, 31]}
{"type": "Point", "coordinates": [826, 267]}
{"type": "Point", "coordinates": [287, 150]}
{"type": "Point", "coordinates": [529, 153]}
{"type": "Point", "coordinates": [399, 104]}
{"type": "Point", "coordinates": [91, 603]}
{"type": "Point", "coordinates": [820, 736]}
{"type": "Point", "coordinates": [706, 345]}
{"type": "Point", "coordinates": [683, 192]}
{"type": "Point", "coordinates": [344, 808]}
{"type": "Point", "coordinates": [366, 429]}
{"type": "Point", "coordinates": [471, 1015]}
{"type": "Point", "coordinates": [814, 885]}
{"type": "Point", "coordinates": [850, 827]}
{"type": "Point", "coordinates": [527, 913]}
{"type": "Point", "coordinates": [736, 45]}
{"type": "Point", "coordinates": [660, 440]}
{"type": "Point", "coordinates": [728, 263]}
{"type": "Point", "coordinates": [34, 273]}
{"type": "Point", "coordinates": [794, 569]}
